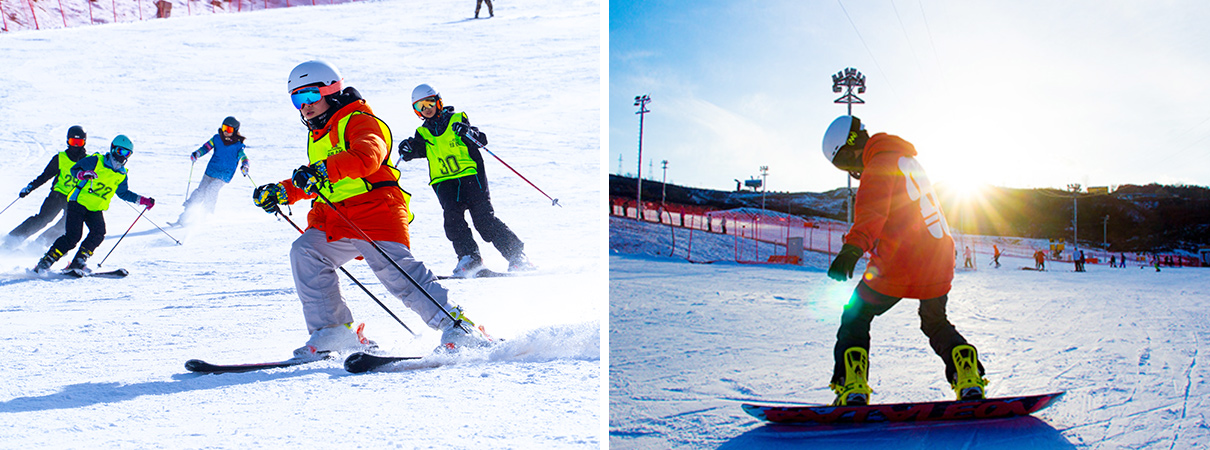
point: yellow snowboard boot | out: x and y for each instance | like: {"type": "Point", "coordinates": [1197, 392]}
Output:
{"type": "Point", "coordinates": [856, 388]}
{"type": "Point", "coordinates": [968, 384]}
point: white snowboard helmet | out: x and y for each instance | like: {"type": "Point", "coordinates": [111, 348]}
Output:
{"type": "Point", "coordinates": [843, 132]}
{"type": "Point", "coordinates": [422, 92]}
{"type": "Point", "coordinates": [315, 72]}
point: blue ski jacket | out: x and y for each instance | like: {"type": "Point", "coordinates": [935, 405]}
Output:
{"type": "Point", "coordinates": [226, 158]}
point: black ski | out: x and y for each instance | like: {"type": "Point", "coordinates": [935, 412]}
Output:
{"type": "Point", "coordinates": [199, 366]}
{"type": "Point", "coordinates": [75, 273]}
{"type": "Point", "coordinates": [364, 362]}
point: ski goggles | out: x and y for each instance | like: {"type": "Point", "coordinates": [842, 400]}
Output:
{"type": "Point", "coordinates": [307, 95]}
{"type": "Point", "coordinates": [424, 103]}
{"type": "Point", "coordinates": [122, 152]}
{"type": "Point", "coordinates": [75, 142]}
{"type": "Point", "coordinates": [227, 129]}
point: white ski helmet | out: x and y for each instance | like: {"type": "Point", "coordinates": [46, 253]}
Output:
{"type": "Point", "coordinates": [422, 92]}
{"type": "Point", "coordinates": [314, 72]}
{"type": "Point", "coordinates": [842, 132]}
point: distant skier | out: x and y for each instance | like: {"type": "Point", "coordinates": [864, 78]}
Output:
{"type": "Point", "coordinates": [479, 3]}
{"type": "Point", "coordinates": [58, 169]}
{"type": "Point", "coordinates": [98, 178]}
{"type": "Point", "coordinates": [996, 255]}
{"type": "Point", "coordinates": [228, 152]}
{"type": "Point", "coordinates": [1113, 261]}
{"type": "Point", "coordinates": [898, 219]}
{"type": "Point", "coordinates": [969, 264]}
{"type": "Point", "coordinates": [459, 178]}
{"type": "Point", "coordinates": [1040, 260]}
{"type": "Point", "coordinates": [348, 154]}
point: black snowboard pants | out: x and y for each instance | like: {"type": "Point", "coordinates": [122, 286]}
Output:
{"type": "Point", "coordinates": [865, 304]}
{"type": "Point", "coordinates": [77, 217]}
{"type": "Point", "coordinates": [469, 193]}
{"type": "Point", "coordinates": [51, 207]}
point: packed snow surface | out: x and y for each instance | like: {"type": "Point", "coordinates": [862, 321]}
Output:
{"type": "Point", "coordinates": [690, 342]}
{"type": "Point", "coordinates": [98, 363]}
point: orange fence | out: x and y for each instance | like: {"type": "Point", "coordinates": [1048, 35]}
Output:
{"type": "Point", "coordinates": [20, 15]}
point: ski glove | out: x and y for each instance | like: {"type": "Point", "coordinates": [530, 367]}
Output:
{"type": "Point", "coordinates": [460, 128]}
{"type": "Point", "coordinates": [842, 267]}
{"type": "Point", "coordinates": [146, 201]}
{"type": "Point", "coordinates": [86, 175]}
{"type": "Point", "coordinates": [243, 167]}
{"type": "Point", "coordinates": [195, 155]}
{"type": "Point", "coordinates": [408, 151]}
{"type": "Point", "coordinates": [26, 190]}
{"type": "Point", "coordinates": [268, 196]}
{"type": "Point", "coordinates": [311, 178]}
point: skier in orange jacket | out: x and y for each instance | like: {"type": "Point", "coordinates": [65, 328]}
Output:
{"type": "Point", "coordinates": [898, 220]}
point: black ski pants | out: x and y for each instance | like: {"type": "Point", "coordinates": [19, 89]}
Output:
{"type": "Point", "coordinates": [51, 207]}
{"type": "Point", "coordinates": [77, 217]}
{"type": "Point", "coordinates": [865, 304]}
{"type": "Point", "coordinates": [469, 193]}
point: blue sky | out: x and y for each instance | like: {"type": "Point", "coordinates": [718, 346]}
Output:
{"type": "Point", "coordinates": [1017, 94]}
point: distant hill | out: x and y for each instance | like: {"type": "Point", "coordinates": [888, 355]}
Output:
{"type": "Point", "coordinates": [1140, 218]}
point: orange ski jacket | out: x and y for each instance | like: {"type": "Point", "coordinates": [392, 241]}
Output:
{"type": "Point", "coordinates": [898, 220]}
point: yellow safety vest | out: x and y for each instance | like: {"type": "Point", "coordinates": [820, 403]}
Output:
{"type": "Point", "coordinates": [65, 183]}
{"type": "Point", "coordinates": [448, 157]}
{"type": "Point", "coordinates": [96, 193]}
{"type": "Point", "coordinates": [351, 187]}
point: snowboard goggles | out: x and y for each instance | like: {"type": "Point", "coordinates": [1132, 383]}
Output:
{"type": "Point", "coordinates": [307, 95]}
{"type": "Point", "coordinates": [75, 142]}
{"type": "Point", "coordinates": [228, 129]}
{"type": "Point", "coordinates": [424, 103]}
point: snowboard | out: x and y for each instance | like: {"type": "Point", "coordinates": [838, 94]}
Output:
{"type": "Point", "coordinates": [991, 408]}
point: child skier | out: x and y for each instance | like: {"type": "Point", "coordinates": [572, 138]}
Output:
{"type": "Point", "coordinates": [59, 169]}
{"type": "Point", "coordinates": [228, 148]}
{"type": "Point", "coordinates": [459, 177]}
{"type": "Point", "coordinates": [98, 178]}
{"type": "Point", "coordinates": [898, 220]}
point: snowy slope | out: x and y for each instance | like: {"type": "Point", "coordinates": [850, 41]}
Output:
{"type": "Point", "coordinates": [98, 363]}
{"type": "Point", "coordinates": [690, 342]}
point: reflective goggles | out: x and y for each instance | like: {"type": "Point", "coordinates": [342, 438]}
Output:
{"type": "Point", "coordinates": [75, 142]}
{"type": "Point", "coordinates": [424, 103]}
{"type": "Point", "coordinates": [307, 95]}
{"type": "Point", "coordinates": [228, 129]}
{"type": "Point", "coordinates": [122, 152]}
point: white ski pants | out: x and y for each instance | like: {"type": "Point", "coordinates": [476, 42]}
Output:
{"type": "Point", "coordinates": [314, 261]}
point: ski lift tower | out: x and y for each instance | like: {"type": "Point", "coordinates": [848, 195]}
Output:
{"type": "Point", "coordinates": [846, 80]}
{"type": "Point", "coordinates": [640, 101]}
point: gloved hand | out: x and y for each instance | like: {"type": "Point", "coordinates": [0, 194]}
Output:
{"type": "Point", "coordinates": [460, 128]}
{"type": "Point", "coordinates": [409, 149]}
{"type": "Point", "coordinates": [842, 267]}
{"type": "Point", "coordinates": [243, 167]}
{"type": "Point", "coordinates": [195, 155]}
{"type": "Point", "coordinates": [86, 175]}
{"type": "Point", "coordinates": [268, 196]}
{"type": "Point", "coordinates": [311, 178]}
{"type": "Point", "coordinates": [146, 201]}
{"type": "Point", "coordinates": [26, 190]}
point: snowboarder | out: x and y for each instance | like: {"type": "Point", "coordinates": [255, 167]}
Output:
{"type": "Point", "coordinates": [1040, 260]}
{"type": "Point", "coordinates": [996, 255]}
{"type": "Point", "coordinates": [898, 219]}
{"type": "Point", "coordinates": [459, 178]}
{"type": "Point", "coordinates": [479, 3]}
{"type": "Point", "coordinates": [59, 169]}
{"type": "Point", "coordinates": [97, 179]}
{"type": "Point", "coordinates": [228, 147]}
{"type": "Point", "coordinates": [969, 264]}
{"type": "Point", "coordinates": [348, 155]}
{"type": "Point", "coordinates": [1113, 261]}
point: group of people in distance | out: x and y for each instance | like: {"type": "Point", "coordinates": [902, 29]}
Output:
{"type": "Point", "coordinates": [358, 209]}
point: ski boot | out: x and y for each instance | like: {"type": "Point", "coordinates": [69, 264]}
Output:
{"type": "Point", "coordinates": [468, 266]}
{"type": "Point", "coordinates": [855, 390]}
{"type": "Point", "coordinates": [78, 263]}
{"type": "Point", "coordinates": [47, 260]}
{"type": "Point", "coordinates": [337, 338]}
{"type": "Point", "coordinates": [968, 381]}
{"type": "Point", "coordinates": [461, 333]}
{"type": "Point", "coordinates": [520, 263]}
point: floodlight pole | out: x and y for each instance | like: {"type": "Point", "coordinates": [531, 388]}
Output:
{"type": "Point", "coordinates": [849, 78]}
{"type": "Point", "coordinates": [1075, 215]}
{"type": "Point", "coordinates": [664, 184]}
{"type": "Point", "coordinates": [640, 101]}
{"type": "Point", "coordinates": [764, 187]}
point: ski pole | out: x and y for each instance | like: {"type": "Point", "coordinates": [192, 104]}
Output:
{"type": "Point", "coordinates": [351, 277]}
{"type": "Point", "coordinates": [553, 201]}
{"type": "Point", "coordinates": [115, 245]}
{"type": "Point", "coordinates": [157, 226]}
{"type": "Point", "coordinates": [10, 205]}
{"type": "Point", "coordinates": [190, 181]}
{"type": "Point", "coordinates": [384, 254]}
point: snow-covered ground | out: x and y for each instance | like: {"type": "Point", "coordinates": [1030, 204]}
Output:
{"type": "Point", "coordinates": [690, 342]}
{"type": "Point", "coordinates": [98, 363]}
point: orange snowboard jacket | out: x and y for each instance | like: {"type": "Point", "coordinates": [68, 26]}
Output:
{"type": "Point", "coordinates": [898, 220]}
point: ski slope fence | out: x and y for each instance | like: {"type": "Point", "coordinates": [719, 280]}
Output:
{"type": "Point", "coordinates": [752, 227]}
{"type": "Point", "coordinates": [22, 15]}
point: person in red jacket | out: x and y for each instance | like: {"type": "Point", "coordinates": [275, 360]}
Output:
{"type": "Point", "coordinates": [898, 220]}
{"type": "Point", "coordinates": [348, 162]}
